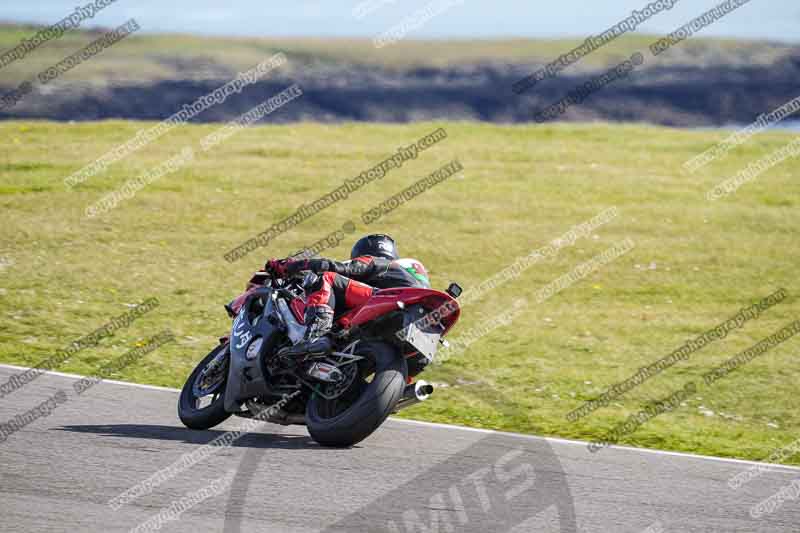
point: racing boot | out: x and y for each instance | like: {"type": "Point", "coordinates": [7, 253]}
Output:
{"type": "Point", "coordinates": [317, 340]}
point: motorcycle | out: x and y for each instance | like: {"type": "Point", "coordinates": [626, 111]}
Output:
{"type": "Point", "coordinates": [343, 397]}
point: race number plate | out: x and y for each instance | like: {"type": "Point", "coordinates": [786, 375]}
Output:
{"type": "Point", "coordinates": [423, 342]}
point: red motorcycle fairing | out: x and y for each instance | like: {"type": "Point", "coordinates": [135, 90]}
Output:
{"type": "Point", "coordinates": [298, 307]}
{"type": "Point", "coordinates": [238, 302]}
{"type": "Point", "coordinates": [386, 300]}
{"type": "Point", "coordinates": [256, 282]}
{"type": "Point", "coordinates": [382, 302]}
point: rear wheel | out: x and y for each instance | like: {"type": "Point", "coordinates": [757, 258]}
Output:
{"type": "Point", "coordinates": [202, 401]}
{"type": "Point", "coordinates": [362, 408]}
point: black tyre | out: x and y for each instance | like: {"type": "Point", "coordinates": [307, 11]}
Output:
{"type": "Point", "coordinates": [358, 412]}
{"type": "Point", "coordinates": [202, 401]}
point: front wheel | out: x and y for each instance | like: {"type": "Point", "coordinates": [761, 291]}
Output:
{"type": "Point", "coordinates": [202, 401]}
{"type": "Point", "coordinates": [360, 410]}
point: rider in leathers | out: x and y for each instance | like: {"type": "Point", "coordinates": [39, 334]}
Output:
{"type": "Point", "coordinates": [374, 264]}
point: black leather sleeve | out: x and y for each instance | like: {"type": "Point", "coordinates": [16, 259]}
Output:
{"type": "Point", "coordinates": [359, 269]}
{"type": "Point", "coordinates": [314, 265]}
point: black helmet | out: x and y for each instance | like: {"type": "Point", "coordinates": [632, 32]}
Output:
{"type": "Point", "coordinates": [377, 245]}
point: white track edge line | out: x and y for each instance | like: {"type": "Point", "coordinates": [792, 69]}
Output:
{"type": "Point", "coordinates": [464, 428]}
{"type": "Point", "coordinates": [613, 447]}
{"type": "Point", "coordinates": [78, 376]}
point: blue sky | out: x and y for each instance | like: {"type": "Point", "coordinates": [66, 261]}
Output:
{"type": "Point", "coordinates": [765, 19]}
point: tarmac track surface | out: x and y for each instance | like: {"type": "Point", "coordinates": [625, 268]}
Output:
{"type": "Point", "coordinates": [59, 472]}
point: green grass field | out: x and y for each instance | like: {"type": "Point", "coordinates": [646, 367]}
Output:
{"type": "Point", "coordinates": [695, 264]}
{"type": "Point", "coordinates": [143, 58]}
